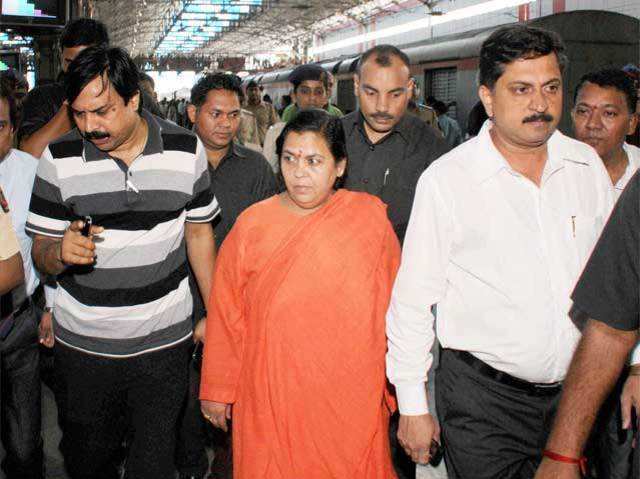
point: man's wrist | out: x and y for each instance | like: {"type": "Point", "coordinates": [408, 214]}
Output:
{"type": "Point", "coordinates": [580, 462]}
{"type": "Point", "coordinates": [412, 399]}
{"type": "Point", "coordinates": [53, 254]}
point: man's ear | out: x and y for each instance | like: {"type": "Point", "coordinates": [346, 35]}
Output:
{"type": "Point", "coordinates": [135, 100]}
{"type": "Point", "coordinates": [633, 124]}
{"type": "Point", "coordinates": [486, 97]}
{"type": "Point", "coordinates": [191, 112]}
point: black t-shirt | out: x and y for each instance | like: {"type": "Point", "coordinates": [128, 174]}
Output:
{"type": "Point", "coordinates": [390, 169]}
{"type": "Point", "coordinates": [242, 178]}
{"type": "Point", "coordinates": [609, 288]}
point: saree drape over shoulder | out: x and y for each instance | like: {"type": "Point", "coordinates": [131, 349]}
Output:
{"type": "Point", "coordinates": [295, 339]}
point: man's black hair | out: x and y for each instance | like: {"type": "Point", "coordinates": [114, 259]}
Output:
{"type": "Point", "coordinates": [611, 78]}
{"type": "Point", "coordinates": [327, 126]}
{"type": "Point", "coordinates": [94, 62]}
{"type": "Point", "coordinates": [84, 32]}
{"type": "Point", "coordinates": [146, 77]}
{"type": "Point", "coordinates": [7, 94]}
{"type": "Point", "coordinates": [383, 55]}
{"type": "Point", "coordinates": [252, 84]}
{"type": "Point", "coordinates": [475, 120]}
{"type": "Point", "coordinates": [308, 72]}
{"type": "Point", "coordinates": [440, 107]}
{"type": "Point", "coordinates": [516, 42]}
{"type": "Point", "coordinates": [215, 81]}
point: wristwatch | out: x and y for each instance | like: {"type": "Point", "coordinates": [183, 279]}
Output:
{"type": "Point", "coordinates": [48, 309]}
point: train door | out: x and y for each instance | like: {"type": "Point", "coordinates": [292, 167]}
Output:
{"type": "Point", "coordinates": [441, 84]}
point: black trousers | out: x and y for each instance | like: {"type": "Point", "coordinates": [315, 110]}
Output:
{"type": "Point", "coordinates": [105, 399]}
{"type": "Point", "coordinates": [610, 451]}
{"type": "Point", "coordinates": [490, 430]}
{"type": "Point", "coordinates": [191, 455]}
{"type": "Point", "coordinates": [195, 433]}
{"type": "Point", "coordinates": [20, 399]}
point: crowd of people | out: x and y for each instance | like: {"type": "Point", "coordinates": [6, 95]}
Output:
{"type": "Point", "coordinates": [319, 295]}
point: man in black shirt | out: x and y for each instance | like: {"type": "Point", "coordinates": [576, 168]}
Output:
{"type": "Point", "coordinates": [240, 177]}
{"type": "Point", "coordinates": [608, 293]}
{"type": "Point", "coordinates": [45, 114]}
{"type": "Point", "coordinates": [388, 148]}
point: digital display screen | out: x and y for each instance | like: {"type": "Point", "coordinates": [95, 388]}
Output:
{"type": "Point", "coordinates": [33, 12]}
{"type": "Point", "coordinates": [9, 61]}
{"type": "Point", "coordinates": [30, 8]}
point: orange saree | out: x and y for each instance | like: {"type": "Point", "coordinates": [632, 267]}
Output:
{"type": "Point", "coordinates": [296, 341]}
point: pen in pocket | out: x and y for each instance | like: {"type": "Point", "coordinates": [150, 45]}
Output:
{"type": "Point", "coordinates": [573, 226]}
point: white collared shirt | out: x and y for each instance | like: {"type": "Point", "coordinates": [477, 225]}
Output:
{"type": "Point", "coordinates": [17, 172]}
{"type": "Point", "coordinates": [633, 155]}
{"type": "Point", "coordinates": [500, 257]}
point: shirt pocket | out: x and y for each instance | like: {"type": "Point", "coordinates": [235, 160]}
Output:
{"type": "Point", "coordinates": [584, 231]}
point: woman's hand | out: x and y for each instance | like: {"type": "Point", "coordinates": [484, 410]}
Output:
{"type": "Point", "coordinates": [217, 413]}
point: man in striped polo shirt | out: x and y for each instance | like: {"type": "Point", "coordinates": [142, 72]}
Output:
{"type": "Point", "coordinates": [122, 318]}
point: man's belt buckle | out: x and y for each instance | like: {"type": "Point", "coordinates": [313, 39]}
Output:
{"type": "Point", "coordinates": [547, 387]}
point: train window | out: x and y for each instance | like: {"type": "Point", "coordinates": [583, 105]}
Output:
{"type": "Point", "coordinates": [346, 97]}
{"type": "Point", "coordinates": [441, 83]}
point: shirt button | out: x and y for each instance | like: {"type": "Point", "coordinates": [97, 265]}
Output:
{"type": "Point", "coordinates": [371, 147]}
{"type": "Point", "coordinates": [130, 173]}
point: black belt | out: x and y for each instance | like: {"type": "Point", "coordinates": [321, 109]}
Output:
{"type": "Point", "coordinates": [537, 389]}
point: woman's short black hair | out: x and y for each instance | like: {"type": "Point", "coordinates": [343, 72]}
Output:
{"type": "Point", "coordinates": [94, 62]}
{"type": "Point", "coordinates": [516, 42]}
{"type": "Point", "coordinates": [327, 126]}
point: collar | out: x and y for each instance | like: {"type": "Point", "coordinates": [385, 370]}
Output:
{"type": "Point", "coordinates": [235, 151]}
{"type": "Point", "coordinates": [633, 157]}
{"type": "Point", "coordinates": [487, 161]}
{"type": "Point", "coordinates": [154, 141]}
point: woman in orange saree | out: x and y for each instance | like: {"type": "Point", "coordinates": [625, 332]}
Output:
{"type": "Point", "coordinates": [295, 337]}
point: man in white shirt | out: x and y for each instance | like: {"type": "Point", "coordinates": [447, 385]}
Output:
{"type": "Point", "coordinates": [603, 116]}
{"type": "Point", "coordinates": [499, 231]}
{"type": "Point", "coordinates": [19, 313]}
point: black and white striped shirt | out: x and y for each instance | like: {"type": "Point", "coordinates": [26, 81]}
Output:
{"type": "Point", "coordinates": [136, 297]}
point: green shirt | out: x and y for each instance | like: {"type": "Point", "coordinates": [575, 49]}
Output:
{"type": "Point", "coordinates": [291, 111]}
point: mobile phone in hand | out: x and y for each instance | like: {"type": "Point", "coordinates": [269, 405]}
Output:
{"type": "Point", "coordinates": [436, 451]}
{"type": "Point", "coordinates": [86, 229]}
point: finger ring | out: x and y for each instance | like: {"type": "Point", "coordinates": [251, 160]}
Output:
{"type": "Point", "coordinates": [208, 418]}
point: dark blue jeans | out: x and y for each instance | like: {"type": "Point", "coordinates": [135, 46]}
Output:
{"type": "Point", "coordinates": [20, 399]}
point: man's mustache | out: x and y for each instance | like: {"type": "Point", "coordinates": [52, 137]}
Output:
{"type": "Point", "coordinates": [95, 135]}
{"type": "Point", "coordinates": [539, 117]}
{"type": "Point", "coordinates": [382, 116]}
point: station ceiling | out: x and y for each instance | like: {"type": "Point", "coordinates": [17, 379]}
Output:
{"type": "Point", "coordinates": [220, 27]}
{"type": "Point", "coordinates": [226, 27]}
